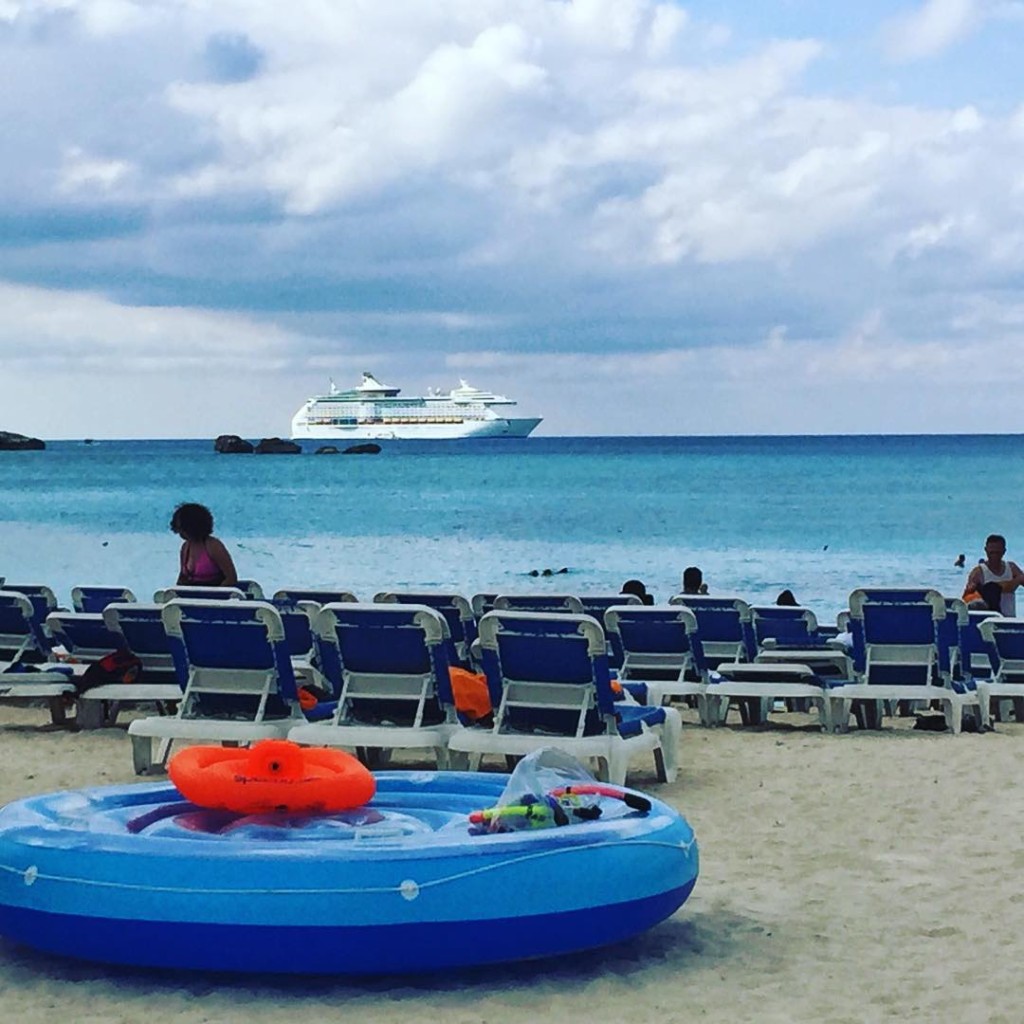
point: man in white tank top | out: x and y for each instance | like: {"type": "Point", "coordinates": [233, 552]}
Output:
{"type": "Point", "coordinates": [996, 569]}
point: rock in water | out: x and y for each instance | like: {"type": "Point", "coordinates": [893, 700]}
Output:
{"type": "Point", "coordinates": [362, 449]}
{"type": "Point", "coordinates": [231, 444]}
{"type": "Point", "coordinates": [277, 446]}
{"type": "Point", "coordinates": [10, 442]}
{"type": "Point", "coordinates": [326, 449]}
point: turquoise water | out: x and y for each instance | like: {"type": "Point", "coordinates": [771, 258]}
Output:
{"type": "Point", "coordinates": [819, 515]}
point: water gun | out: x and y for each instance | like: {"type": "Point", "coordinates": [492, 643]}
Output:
{"type": "Point", "coordinates": [559, 807]}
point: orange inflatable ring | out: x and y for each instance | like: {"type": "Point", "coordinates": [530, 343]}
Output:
{"type": "Point", "coordinates": [272, 775]}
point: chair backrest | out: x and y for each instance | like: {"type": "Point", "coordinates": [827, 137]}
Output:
{"type": "Point", "coordinates": [978, 655]}
{"type": "Point", "coordinates": [655, 642]}
{"type": "Point", "coordinates": [321, 597]}
{"type": "Point", "coordinates": [724, 624]}
{"type": "Point", "coordinates": [386, 662]}
{"type": "Point", "coordinates": [547, 672]}
{"type": "Point", "coordinates": [84, 635]}
{"type": "Point", "coordinates": [595, 605]}
{"type": "Point", "coordinates": [1006, 637]}
{"type": "Point", "coordinates": [297, 618]}
{"type": "Point", "coordinates": [252, 590]}
{"type": "Point", "coordinates": [42, 598]}
{"type": "Point", "coordinates": [786, 625]}
{"type": "Point", "coordinates": [92, 599]}
{"type": "Point", "coordinates": [141, 629]}
{"type": "Point", "coordinates": [457, 612]}
{"type": "Point", "coordinates": [22, 636]}
{"type": "Point", "coordinates": [482, 604]}
{"type": "Point", "coordinates": [198, 594]}
{"type": "Point", "coordinates": [543, 604]}
{"type": "Point", "coordinates": [234, 657]}
{"type": "Point", "coordinates": [895, 634]}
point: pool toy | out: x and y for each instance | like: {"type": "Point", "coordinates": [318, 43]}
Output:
{"type": "Point", "coordinates": [138, 875]}
{"type": "Point", "coordinates": [272, 775]}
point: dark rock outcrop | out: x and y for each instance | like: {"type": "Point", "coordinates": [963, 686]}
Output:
{"type": "Point", "coordinates": [327, 449]}
{"type": "Point", "coordinates": [19, 443]}
{"type": "Point", "coordinates": [232, 444]}
{"type": "Point", "coordinates": [362, 449]}
{"type": "Point", "coordinates": [277, 446]}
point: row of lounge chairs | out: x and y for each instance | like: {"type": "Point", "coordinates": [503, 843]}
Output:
{"type": "Point", "coordinates": [548, 669]}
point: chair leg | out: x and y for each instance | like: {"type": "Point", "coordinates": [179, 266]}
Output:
{"type": "Point", "coordinates": [58, 711]}
{"type": "Point", "coordinates": [89, 714]}
{"type": "Point", "coordinates": [142, 754]}
{"type": "Point", "coordinates": [953, 711]}
{"type": "Point", "coordinates": [614, 767]}
{"type": "Point", "coordinates": [666, 757]}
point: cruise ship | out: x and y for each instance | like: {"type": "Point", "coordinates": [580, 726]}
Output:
{"type": "Point", "coordinates": [374, 412]}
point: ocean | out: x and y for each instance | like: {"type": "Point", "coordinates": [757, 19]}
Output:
{"type": "Point", "coordinates": [817, 515]}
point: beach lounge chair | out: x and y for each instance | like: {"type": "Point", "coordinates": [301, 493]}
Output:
{"type": "Point", "coordinates": [550, 686]}
{"type": "Point", "coordinates": [659, 649]}
{"type": "Point", "coordinates": [388, 666]}
{"type": "Point", "coordinates": [788, 635]}
{"type": "Point", "coordinates": [482, 604]}
{"type": "Point", "coordinates": [595, 605]}
{"type": "Point", "coordinates": [252, 590]}
{"type": "Point", "coordinates": [895, 654]}
{"type": "Point", "coordinates": [725, 626]}
{"type": "Point", "coordinates": [321, 597]}
{"type": "Point", "coordinates": [239, 684]}
{"type": "Point", "coordinates": [1006, 637]}
{"type": "Point", "coordinates": [457, 612]}
{"type": "Point", "coordinates": [91, 600]}
{"type": "Point", "coordinates": [134, 627]}
{"type": "Point", "coordinates": [542, 604]}
{"type": "Point", "coordinates": [759, 685]}
{"type": "Point", "coordinates": [23, 636]}
{"type": "Point", "coordinates": [25, 674]}
{"type": "Point", "coordinates": [84, 635]}
{"type": "Point", "coordinates": [167, 594]}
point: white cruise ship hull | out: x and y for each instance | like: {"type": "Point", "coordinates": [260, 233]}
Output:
{"type": "Point", "coordinates": [498, 427]}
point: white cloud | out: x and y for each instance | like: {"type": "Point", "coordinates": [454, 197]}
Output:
{"type": "Point", "coordinates": [931, 28]}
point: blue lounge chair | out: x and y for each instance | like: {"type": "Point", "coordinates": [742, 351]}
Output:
{"type": "Point", "coordinates": [895, 654]}
{"type": "Point", "coordinates": [457, 612]}
{"type": "Point", "coordinates": [1006, 637]}
{"type": "Point", "coordinates": [550, 686]}
{"type": "Point", "coordinates": [239, 684]}
{"type": "Point", "coordinates": [659, 650]}
{"type": "Point", "coordinates": [25, 675]}
{"type": "Point", "coordinates": [388, 666]}
{"type": "Point", "coordinates": [725, 625]}
{"type": "Point", "coordinates": [544, 604]}
{"type": "Point", "coordinates": [91, 600]}
{"type": "Point", "coordinates": [252, 590]}
{"type": "Point", "coordinates": [296, 595]}
{"type": "Point", "coordinates": [758, 685]}
{"type": "Point", "coordinates": [84, 635]}
{"type": "Point", "coordinates": [482, 604]}
{"type": "Point", "coordinates": [167, 594]}
{"type": "Point", "coordinates": [787, 635]}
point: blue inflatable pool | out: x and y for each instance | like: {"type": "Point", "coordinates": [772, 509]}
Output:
{"type": "Point", "coordinates": [135, 875]}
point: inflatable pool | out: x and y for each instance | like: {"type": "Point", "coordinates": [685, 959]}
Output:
{"type": "Point", "coordinates": [137, 875]}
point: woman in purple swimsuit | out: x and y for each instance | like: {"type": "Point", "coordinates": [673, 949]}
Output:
{"type": "Point", "coordinates": [205, 561]}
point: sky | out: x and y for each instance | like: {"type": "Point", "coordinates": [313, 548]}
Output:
{"type": "Point", "coordinates": [632, 216]}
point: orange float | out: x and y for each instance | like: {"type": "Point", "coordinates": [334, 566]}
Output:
{"type": "Point", "coordinates": [272, 775]}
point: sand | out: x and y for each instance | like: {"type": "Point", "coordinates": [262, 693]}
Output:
{"type": "Point", "coordinates": [855, 878]}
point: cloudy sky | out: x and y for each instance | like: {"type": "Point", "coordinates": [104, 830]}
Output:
{"type": "Point", "coordinates": [634, 216]}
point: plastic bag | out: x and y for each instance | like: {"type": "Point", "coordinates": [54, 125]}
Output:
{"type": "Point", "coordinates": [550, 788]}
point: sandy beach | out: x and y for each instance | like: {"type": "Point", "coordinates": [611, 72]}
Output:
{"type": "Point", "coordinates": [844, 879]}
